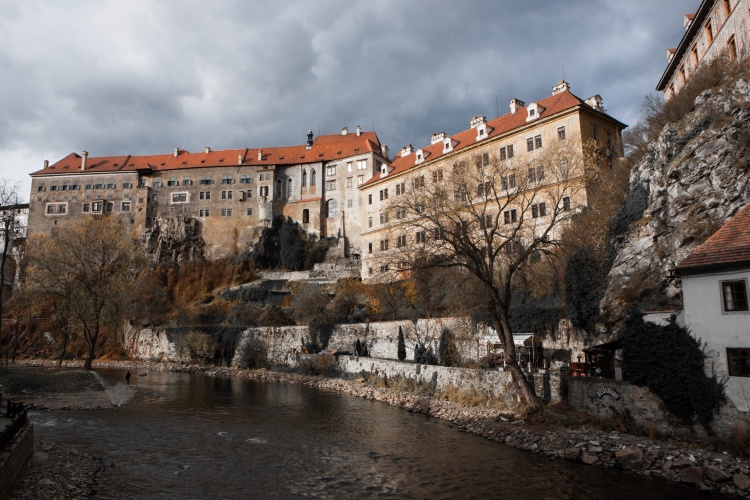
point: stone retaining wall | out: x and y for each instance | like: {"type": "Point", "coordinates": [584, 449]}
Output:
{"type": "Point", "coordinates": [494, 382]}
{"type": "Point", "coordinates": [14, 459]}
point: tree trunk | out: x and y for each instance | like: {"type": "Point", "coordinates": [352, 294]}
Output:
{"type": "Point", "coordinates": [89, 356]}
{"type": "Point", "coordinates": [64, 349]}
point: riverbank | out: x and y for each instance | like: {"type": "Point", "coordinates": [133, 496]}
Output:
{"type": "Point", "coordinates": [562, 434]}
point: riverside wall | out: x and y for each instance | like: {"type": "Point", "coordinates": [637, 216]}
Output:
{"type": "Point", "coordinates": [13, 460]}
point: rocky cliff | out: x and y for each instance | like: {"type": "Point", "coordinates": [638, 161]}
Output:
{"type": "Point", "coordinates": [175, 239]}
{"type": "Point", "coordinates": [693, 179]}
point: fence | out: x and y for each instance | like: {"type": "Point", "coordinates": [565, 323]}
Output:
{"type": "Point", "coordinates": [17, 412]}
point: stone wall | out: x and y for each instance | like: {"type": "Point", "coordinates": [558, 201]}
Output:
{"type": "Point", "coordinates": [14, 459]}
{"type": "Point", "coordinates": [495, 383]}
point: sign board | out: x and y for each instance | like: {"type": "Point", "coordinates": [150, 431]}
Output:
{"type": "Point", "coordinates": [607, 390]}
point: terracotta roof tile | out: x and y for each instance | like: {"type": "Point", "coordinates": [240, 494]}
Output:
{"type": "Point", "coordinates": [499, 126]}
{"type": "Point", "coordinates": [325, 148]}
{"type": "Point", "coordinates": [728, 247]}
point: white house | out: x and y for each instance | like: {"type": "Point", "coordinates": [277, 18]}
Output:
{"type": "Point", "coordinates": [715, 280]}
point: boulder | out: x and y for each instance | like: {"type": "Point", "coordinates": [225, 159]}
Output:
{"type": "Point", "coordinates": [692, 475]}
{"type": "Point", "coordinates": [715, 474]}
{"type": "Point", "coordinates": [571, 453]}
{"type": "Point", "coordinates": [741, 481]}
{"type": "Point", "coordinates": [630, 458]}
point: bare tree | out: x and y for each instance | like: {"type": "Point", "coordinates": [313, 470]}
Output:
{"type": "Point", "coordinates": [10, 228]}
{"type": "Point", "coordinates": [86, 270]}
{"type": "Point", "coordinates": [490, 216]}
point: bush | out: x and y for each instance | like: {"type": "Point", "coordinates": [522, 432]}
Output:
{"type": "Point", "coordinates": [670, 362]}
{"type": "Point", "coordinates": [320, 364]}
{"type": "Point", "coordinates": [254, 354]}
{"type": "Point", "coordinates": [401, 345]}
{"type": "Point", "coordinates": [198, 347]}
{"type": "Point", "coordinates": [424, 355]}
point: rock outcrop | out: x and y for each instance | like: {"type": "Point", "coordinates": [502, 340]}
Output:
{"type": "Point", "coordinates": [175, 239]}
{"type": "Point", "coordinates": [693, 179]}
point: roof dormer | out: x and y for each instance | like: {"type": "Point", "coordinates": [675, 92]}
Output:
{"type": "Point", "coordinates": [449, 144]}
{"type": "Point", "coordinates": [483, 131]}
{"type": "Point", "coordinates": [383, 170]}
{"type": "Point", "coordinates": [437, 137]}
{"type": "Point", "coordinates": [534, 110]}
{"type": "Point", "coordinates": [406, 150]}
{"type": "Point", "coordinates": [687, 21]}
{"type": "Point", "coordinates": [420, 156]}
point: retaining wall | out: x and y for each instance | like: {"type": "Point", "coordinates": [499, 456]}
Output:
{"type": "Point", "coordinates": [14, 459]}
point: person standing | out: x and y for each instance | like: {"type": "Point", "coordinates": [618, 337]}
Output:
{"type": "Point", "coordinates": [127, 377]}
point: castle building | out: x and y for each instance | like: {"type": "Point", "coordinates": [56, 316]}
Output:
{"type": "Point", "coordinates": [718, 27]}
{"type": "Point", "coordinates": [516, 141]}
{"type": "Point", "coordinates": [230, 193]}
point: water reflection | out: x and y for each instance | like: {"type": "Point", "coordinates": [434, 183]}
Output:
{"type": "Point", "coordinates": [225, 438]}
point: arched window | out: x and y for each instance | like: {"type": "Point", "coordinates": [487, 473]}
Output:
{"type": "Point", "coordinates": [304, 178]}
{"type": "Point", "coordinates": [289, 188]}
{"type": "Point", "coordinates": [312, 178]}
{"type": "Point", "coordinates": [306, 216]}
{"type": "Point", "coordinates": [278, 188]}
{"type": "Point", "coordinates": [332, 208]}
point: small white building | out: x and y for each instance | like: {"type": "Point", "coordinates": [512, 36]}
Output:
{"type": "Point", "coordinates": [715, 280]}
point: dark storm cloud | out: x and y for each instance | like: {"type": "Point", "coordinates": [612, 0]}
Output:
{"type": "Point", "coordinates": [142, 77]}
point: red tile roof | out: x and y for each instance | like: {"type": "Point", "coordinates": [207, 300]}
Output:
{"type": "Point", "coordinates": [728, 247]}
{"type": "Point", "coordinates": [325, 148]}
{"type": "Point", "coordinates": [498, 126]}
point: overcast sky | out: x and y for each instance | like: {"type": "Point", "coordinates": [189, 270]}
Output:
{"type": "Point", "coordinates": [146, 76]}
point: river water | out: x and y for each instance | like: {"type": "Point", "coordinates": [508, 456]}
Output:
{"type": "Point", "coordinates": [230, 438]}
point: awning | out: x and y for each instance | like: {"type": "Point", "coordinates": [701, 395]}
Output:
{"type": "Point", "coordinates": [519, 339]}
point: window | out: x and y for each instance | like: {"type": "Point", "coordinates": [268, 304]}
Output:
{"type": "Point", "coordinates": [437, 176]}
{"type": "Point", "coordinates": [110, 184]}
{"type": "Point", "coordinates": [561, 133]}
{"type": "Point", "coordinates": [459, 196]}
{"type": "Point", "coordinates": [540, 173]}
{"type": "Point", "coordinates": [349, 203]}
{"type": "Point", "coordinates": [538, 210]}
{"type": "Point", "coordinates": [532, 174]}
{"type": "Point", "coordinates": [348, 166]}
{"type": "Point", "coordinates": [306, 216]}
{"type": "Point", "coordinates": [289, 188]}
{"type": "Point", "coordinates": [418, 183]}
{"type": "Point", "coordinates": [330, 185]}
{"type": "Point", "coordinates": [86, 207]}
{"type": "Point", "coordinates": [383, 245]}
{"type": "Point", "coordinates": [485, 159]}
{"type": "Point", "coordinates": [420, 237]}
{"type": "Point", "coordinates": [125, 206]}
{"type": "Point", "coordinates": [369, 199]}
{"type": "Point", "coordinates": [304, 178]}
{"type": "Point", "coordinates": [125, 185]}
{"type": "Point", "coordinates": [313, 177]}
{"type": "Point", "coordinates": [206, 180]}
{"type": "Point", "coordinates": [503, 153]}
{"type": "Point", "coordinates": [384, 268]}
{"type": "Point", "coordinates": [401, 241]}
{"type": "Point", "coordinates": [331, 170]}
{"type": "Point", "coordinates": [369, 249]}
{"type": "Point", "coordinates": [226, 195]}
{"type": "Point", "coordinates": [360, 181]}
{"type": "Point", "coordinates": [509, 147]}
{"type": "Point", "coordinates": [109, 206]}
{"type": "Point", "coordinates": [179, 197]}
{"type": "Point", "coordinates": [709, 32]}
{"type": "Point", "coordinates": [205, 195]}
{"type": "Point", "coordinates": [400, 213]}
{"type": "Point", "coordinates": [361, 164]}
{"type": "Point", "coordinates": [566, 203]}
{"type": "Point", "coordinates": [228, 179]}
{"type": "Point", "coordinates": [400, 189]}
{"type": "Point", "coordinates": [50, 209]}
{"type": "Point", "coordinates": [734, 295]}
{"type": "Point", "coordinates": [384, 218]}
{"type": "Point", "coordinates": [99, 185]}
{"type": "Point", "coordinates": [203, 213]}
{"type": "Point", "coordinates": [383, 194]}
{"type": "Point", "coordinates": [509, 181]}
{"type": "Point", "coordinates": [349, 182]}
{"type": "Point", "coordinates": [510, 216]}
{"type": "Point", "coordinates": [462, 227]}
{"type": "Point", "coordinates": [486, 222]}
{"type": "Point", "coordinates": [172, 181]}
{"type": "Point", "coordinates": [484, 189]}
{"type": "Point", "coordinates": [738, 360]}
{"type": "Point", "coordinates": [538, 141]}
{"type": "Point", "coordinates": [530, 144]}
{"type": "Point", "coordinates": [278, 188]}
{"type": "Point", "coordinates": [96, 206]}
{"type": "Point", "coordinates": [332, 208]}
{"type": "Point", "coordinates": [186, 181]}
{"type": "Point", "coordinates": [250, 212]}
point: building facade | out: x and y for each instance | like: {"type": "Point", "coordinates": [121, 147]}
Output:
{"type": "Point", "coordinates": [715, 283]}
{"type": "Point", "coordinates": [718, 27]}
{"type": "Point", "coordinates": [515, 142]}
{"type": "Point", "coordinates": [231, 193]}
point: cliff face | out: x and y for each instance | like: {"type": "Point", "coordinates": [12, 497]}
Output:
{"type": "Point", "coordinates": [693, 179]}
{"type": "Point", "coordinates": [174, 240]}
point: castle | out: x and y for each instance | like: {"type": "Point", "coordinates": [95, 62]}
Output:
{"type": "Point", "coordinates": [333, 185]}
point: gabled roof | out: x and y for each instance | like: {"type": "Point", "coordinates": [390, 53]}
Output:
{"type": "Point", "coordinates": [325, 148]}
{"type": "Point", "coordinates": [508, 122]}
{"type": "Point", "coordinates": [728, 247]}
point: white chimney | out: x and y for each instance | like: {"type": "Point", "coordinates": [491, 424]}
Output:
{"type": "Point", "coordinates": [477, 121]}
{"type": "Point", "coordinates": [596, 102]}
{"type": "Point", "coordinates": [260, 155]}
{"type": "Point", "coordinates": [208, 149]}
{"type": "Point", "coordinates": [515, 105]}
{"type": "Point", "coordinates": [176, 152]}
{"type": "Point", "coordinates": [406, 150]}
{"type": "Point", "coordinates": [359, 130]}
{"type": "Point", "coordinates": [384, 151]}
{"type": "Point", "coordinates": [84, 156]}
{"type": "Point", "coordinates": [46, 163]}
{"type": "Point", "coordinates": [437, 137]}
{"type": "Point", "coordinates": [344, 131]}
{"type": "Point", "coordinates": [239, 159]}
{"type": "Point", "coordinates": [562, 86]}
{"type": "Point", "coordinates": [687, 21]}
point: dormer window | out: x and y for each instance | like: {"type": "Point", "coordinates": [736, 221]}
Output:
{"type": "Point", "coordinates": [420, 156]}
{"type": "Point", "coordinates": [448, 146]}
{"type": "Point", "coordinates": [534, 110]}
{"type": "Point", "coordinates": [383, 170]}
{"type": "Point", "coordinates": [483, 131]}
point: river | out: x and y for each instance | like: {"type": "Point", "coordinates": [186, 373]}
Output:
{"type": "Point", "coordinates": [231, 438]}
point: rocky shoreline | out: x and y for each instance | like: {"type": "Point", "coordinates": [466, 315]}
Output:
{"type": "Point", "coordinates": [672, 460]}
